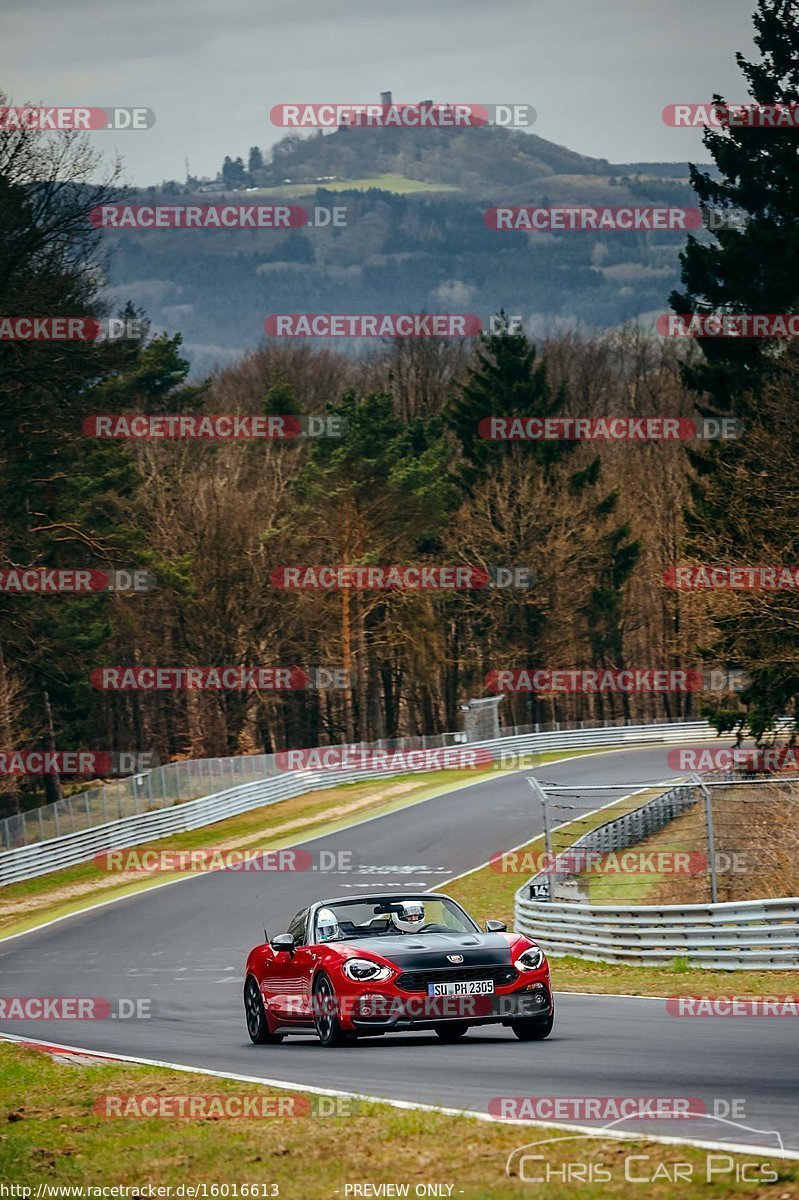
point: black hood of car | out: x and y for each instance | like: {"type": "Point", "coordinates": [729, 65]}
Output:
{"type": "Point", "coordinates": [419, 951]}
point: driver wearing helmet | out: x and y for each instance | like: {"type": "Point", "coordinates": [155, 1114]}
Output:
{"type": "Point", "coordinates": [408, 917]}
{"type": "Point", "coordinates": [326, 925]}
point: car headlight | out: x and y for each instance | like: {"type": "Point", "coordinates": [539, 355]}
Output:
{"type": "Point", "coordinates": [363, 970]}
{"type": "Point", "coordinates": [530, 960]}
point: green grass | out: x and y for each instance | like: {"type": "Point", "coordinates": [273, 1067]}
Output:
{"type": "Point", "coordinates": [571, 974]}
{"type": "Point", "coordinates": [400, 184]}
{"type": "Point", "coordinates": [51, 1134]}
{"type": "Point", "coordinates": [610, 888]}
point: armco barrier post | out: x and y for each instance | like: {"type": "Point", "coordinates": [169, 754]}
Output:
{"type": "Point", "coordinates": [711, 843]}
{"type": "Point", "coordinates": [539, 791]}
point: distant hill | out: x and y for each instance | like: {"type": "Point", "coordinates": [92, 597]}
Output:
{"type": "Point", "coordinates": [475, 161]}
{"type": "Point", "coordinates": [407, 246]}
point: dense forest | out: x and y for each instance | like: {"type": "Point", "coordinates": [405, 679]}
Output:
{"type": "Point", "coordinates": [412, 481]}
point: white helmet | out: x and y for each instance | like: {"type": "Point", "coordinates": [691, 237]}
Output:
{"type": "Point", "coordinates": [410, 916]}
{"type": "Point", "coordinates": [326, 925]}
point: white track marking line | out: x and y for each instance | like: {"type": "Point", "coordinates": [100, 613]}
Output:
{"type": "Point", "coordinates": [469, 1114]}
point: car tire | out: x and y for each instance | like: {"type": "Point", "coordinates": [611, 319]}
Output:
{"type": "Point", "coordinates": [535, 1029]}
{"type": "Point", "coordinates": [328, 1026]}
{"type": "Point", "coordinates": [452, 1032]}
{"type": "Point", "coordinates": [255, 1014]}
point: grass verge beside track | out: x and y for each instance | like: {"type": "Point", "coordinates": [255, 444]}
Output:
{"type": "Point", "coordinates": [52, 1135]}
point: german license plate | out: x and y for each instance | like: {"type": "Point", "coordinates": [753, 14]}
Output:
{"type": "Point", "coordinates": [470, 987]}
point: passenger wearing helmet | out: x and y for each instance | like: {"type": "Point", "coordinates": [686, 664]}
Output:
{"type": "Point", "coordinates": [326, 925]}
{"type": "Point", "coordinates": [409, 917]}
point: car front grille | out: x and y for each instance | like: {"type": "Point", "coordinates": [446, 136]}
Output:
{"type": "Point", "coordinates": [417, 981]}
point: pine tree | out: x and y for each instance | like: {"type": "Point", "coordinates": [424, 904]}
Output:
{"type": "Point", "coordinates": [754, 269]}
{"type": "Point", "coordinates": [751, 267]}
{"type": "Point", "coordinates": [509, 381]}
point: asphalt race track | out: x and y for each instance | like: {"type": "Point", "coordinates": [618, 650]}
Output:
{"type": "Point", "coordinates": [184, 946]}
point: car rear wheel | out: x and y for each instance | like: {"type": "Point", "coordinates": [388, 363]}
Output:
{"type": "Point", "coordinates": [452, 1032]}
{"type": "Point", "coordinates": [257, 1024]}
{"type": "Point", "coordinates": [533, 1030]}
{"type": "Point", "coordinates": [328, 1026]}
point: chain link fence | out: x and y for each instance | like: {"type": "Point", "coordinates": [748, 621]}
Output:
{"type": "Point", "coordinates": [710, 839]}
{"type": "Point", "coordinates": [706, 872]}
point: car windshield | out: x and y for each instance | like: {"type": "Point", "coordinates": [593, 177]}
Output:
{"type": "Point", "coordinates": [366, 918]}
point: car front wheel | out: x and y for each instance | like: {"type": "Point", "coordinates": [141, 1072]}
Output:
{"type": "Point", "coordinates": [533, 1030]}
{"type": "Point", "coordinates": [257, 1024]}
{"type": "Point", "coordinates": [328, 1026]}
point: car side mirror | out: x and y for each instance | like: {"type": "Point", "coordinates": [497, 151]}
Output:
{"type": "Point", "coordinates": [282, 941]}
{"type": "Point", "coordinates": [496, 927]}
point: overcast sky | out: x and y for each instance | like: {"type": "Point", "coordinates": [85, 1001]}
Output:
{"type": "Point", "coordinates": [598, 72]}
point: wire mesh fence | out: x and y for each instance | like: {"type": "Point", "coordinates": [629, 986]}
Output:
{"type": "Point", "coordinates": [159, 788]}
{"type": "Point", "coordinates": [706, 840]}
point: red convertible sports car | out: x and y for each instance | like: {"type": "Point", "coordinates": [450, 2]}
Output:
{"type": "Point", "coordinates": [356, 967]}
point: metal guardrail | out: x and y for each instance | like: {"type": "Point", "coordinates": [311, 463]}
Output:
{"type": "Point", "coordinates": [750, 935]}
{"type": "Point", "coordinates": [742, 935]}
{"type": "Point", "coordinates": [41, 857]}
